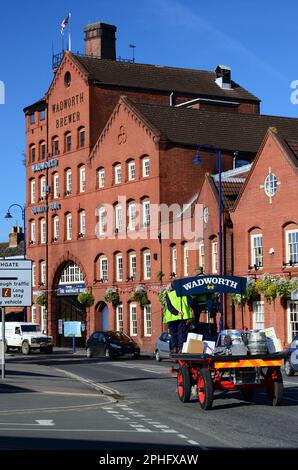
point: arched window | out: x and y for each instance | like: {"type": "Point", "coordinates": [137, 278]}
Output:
{"type": "Point", "coordinates": [147, 320]}
{"type": "Point", "coordinates": [131, 170]}
{"type": "Point", "coordinates": [81, 137]}
{"type": "Point", "coordinates": [145, 166]}
{"type": "Point", "coordinates": [42, 150]}
{"type": "Point", "coordinates": [55, 228]}
{"type": "Point", "coordinates": [147, 264]}
{"type": "Point", "coordinates": [42, 188]}
{"type": "Point", "coordinates": [185, 259]}
{"type": "Point", "coordinates": [43, 231]}
{"type": "Point", "coordinates": [32, 152]}
{"type": "Point", "coordinates": [82, 179]}
{"type": "Point", "coordinates": [43, 273]}
{"type": "Point", "coordinates": [119, 225]}
{"type": "Point", "coordinates": [256, 248]}
{"type": "Point", "coordinates": [71, 274]}
{"type": "Point", "coordinates": [32, 232]}
{"type": "Point", "coordinates": [173, 260]}
{"type": "Point", "coordinates": [119, 317]}
{"type": "Point", "coordinates": [145, 212]}
{"type": "Point", "coordinates": [82, 224]}
{"type": "Point", "coordinates": [68, 226]}
{"type": "Point", "coordinates": [132, 258]}
{"type": "Point", "coordinates": [32, 191]}
{"type": "Point", "coordinates": [132, 215]}
{"type": "Point", "coordinates": [214, 255]}
{"type": "Point", "coordinates": [68, 182]}
{"type": "Point", "coordinates": [119, 267]}
{"type": "Point", "coordinates": [117, 173]}
{"type": "Point", "coordinates": [33, 274]}
{"type": "Point", "coordinates": [55, 146]}
{"type": "Point", "coordinates": [56, 193]}
{"type": "Point", "coordinates": [101, 177]}
{"type": "Point", "coordinates": [103, 268]}
{"type": "Point", "coordinates": [67, 142]}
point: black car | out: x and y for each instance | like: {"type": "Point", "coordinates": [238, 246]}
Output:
{"type": "Point", "coordinates": [111, 344]}
{"type": "Point", "coordinates": [291, 361]}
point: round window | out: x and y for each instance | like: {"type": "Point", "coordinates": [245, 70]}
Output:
{"type": "Point", "coordinates": [206, 214]}
{"type": "Point", "coordinates": [67, 79]}
{"type": "Point", "coordinates": [270, 185]}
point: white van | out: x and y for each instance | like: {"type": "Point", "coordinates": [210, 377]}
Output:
{"type": "Point", "coordinates": [26, 336]}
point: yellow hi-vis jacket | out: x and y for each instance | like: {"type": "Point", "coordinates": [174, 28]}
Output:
{"type": "Point", "coordinates": [180, 304]}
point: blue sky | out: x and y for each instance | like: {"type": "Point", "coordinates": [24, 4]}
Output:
{"type": "Point", "coordinates": [256, 38]}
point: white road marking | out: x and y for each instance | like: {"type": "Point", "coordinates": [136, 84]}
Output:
{"type": "Point", "coordinates": [182, 436]}
{"type": "Point", "coordinates": [51, 409]}
{"type": "Point", "coordinates": [45, 422]}
{"type": "Point", "coordinates": [144, 430]}
{"type": "Point", "coordinates": [160, 426]}
{"type": "Point", "coordinates": [172, 431]}
{"type": "Point", "coordinates": [80, 430]}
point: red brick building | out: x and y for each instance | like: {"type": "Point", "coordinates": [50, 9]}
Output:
{"type": "Point", "coordinates": [109, 131]}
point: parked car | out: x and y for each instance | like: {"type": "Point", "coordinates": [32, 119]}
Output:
{"type": "Point", "coordinates": [291, 361]}
{"type": "Point", "coordinates": [26, 337]}
{"type": "Point", "coordinates": [162, 347]}
{"type": "Point", "coordinates": [111, 344]}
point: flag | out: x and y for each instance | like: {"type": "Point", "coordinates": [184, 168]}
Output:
{"type": "Point", "coordinates": [64, 23]}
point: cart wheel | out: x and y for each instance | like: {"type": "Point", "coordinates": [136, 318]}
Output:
{"type": "Point", "coordinates": [205, 389]}
{"type": "Point", "coordinates": [247, 394]}
{"type": "Point", "coordinates": [275, 390]}
{"type": "Point", "coordinates": [183, 384]}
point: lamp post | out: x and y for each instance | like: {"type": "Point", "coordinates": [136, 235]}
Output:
{"type": "Point", "coordinates": [197, 160]}
{"type": "Point", "coordinates": [9, 216]}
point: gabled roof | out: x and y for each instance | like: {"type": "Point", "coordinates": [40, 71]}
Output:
{"type": "Point", "coordinates": [227, 131]}
{"type": "Point", "coordinates": [160, 78]}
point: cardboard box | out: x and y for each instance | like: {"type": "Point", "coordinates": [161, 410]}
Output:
{"type": "Point", "coordinates": [195, 346]}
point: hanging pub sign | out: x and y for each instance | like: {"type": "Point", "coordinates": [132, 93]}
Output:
{"type": "Point", "coordinates": [209, 284]}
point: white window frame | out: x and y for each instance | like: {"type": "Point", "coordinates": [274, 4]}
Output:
{"type": "Point", "coordinates": [214, 256]}
{"type": "Point", "coordinates": [82, 172]}
{"type": "Point", "coordinates": [133, 319]}
{"type": "Point", "coordinates": [56, 228]}
{"type": "Point", "coordinates": [147, 321]}
{"type": "Point", "coordinates": [132, 216]}
{"type": "Point", "coordinates": [133, 265]}
{"type": "Point", "coordinates": [119, 267]}
{"type": "Point", "coordinates": [101, 178]}
{"type": "Point", "coordinates": [67, 135]}
{"type": "Point", "coordinates": [33, 231]}
{"type": "Point", "coordinates": [71, 274]}
{"type": "Point", "coordinates": [43, 231]}
{"type": "Point", "coordinates": [68, 182]}
{"type": "Point", "coordinates": [32, 191]}
{"type": "Point", "coordinates": [33, 314]}
{"type": "Point", "coordinates": [118, 173]}
{"type": "Point", "coordinates": [288, 251]}
{"type": "Point", "coordinates": [131, 170]}
{"type": "Point", "coordinates": [83, 223]}
{"type": "Point", "coordinates": [257, 257]}
{"type": "Point", "coordinates": [43, 187]}
{"type": "Point", "coordinates": [147, 265]}
{"type": "Point", "coordinates": [102, 221]}
{"type": "Point", "coordinates": [174, 259]}
{"type": "Point", "coordinates": [146, 167]}
{"type": "Point", "coordinates": [43, 318]}
{"type": "Point", "coordinates": [69, 227]}
{"type": "Point", "coordinates": [202, 256]}
{"type": "Point", "coordinates": [33, 274]}
{"type": "Point", "coordinates": [185, 259]}
{"type": "Point", "coordinates": [119, 318]}
{"type": "Point", "coordinates": [56, 185]}
{"type": "Point", "coordinates": [119, 218]}
{"type": "Point", "coordinates": [146, 213]}
{"type": "Point", "coordinates": [258, 315]}
{"type": "Point", "coordinates": [103, 270]}
{"type": "Point", "coordinates": [292, 309]}
{"type": "Point", "coordinates": [55, 147]}
{"type": "Point", "coordinates": [43, 273]}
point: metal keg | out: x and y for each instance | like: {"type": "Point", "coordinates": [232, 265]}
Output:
{"type": "Point", "coordinates": [257, 343]}
{"type": "Point", "coordinates": [235, 335]}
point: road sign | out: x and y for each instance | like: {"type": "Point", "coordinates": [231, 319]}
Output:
{"type": "Point", "coordinates": [15, 283]}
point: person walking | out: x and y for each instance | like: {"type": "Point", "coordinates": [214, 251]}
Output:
{"type": "Point", "coordinates": [176, 314]}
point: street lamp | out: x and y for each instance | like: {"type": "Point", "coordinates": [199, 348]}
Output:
{"type": "Point", "coordinates": [9, 216]}
{"type": "Point", "coordinates": [197, 160]}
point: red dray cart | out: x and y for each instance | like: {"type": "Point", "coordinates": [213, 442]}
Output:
{"type": "Point", "coordinates": [228, 373]}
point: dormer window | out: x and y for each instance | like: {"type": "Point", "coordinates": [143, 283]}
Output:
{"type": "Point", "coordinates": [223, 77]}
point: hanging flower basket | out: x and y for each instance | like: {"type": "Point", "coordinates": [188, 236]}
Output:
{"type": "Point", "coordinates": [41, 300]}
{"type": "Point", "coordinates": [140, 295]}
{"type": "Point", "coordinates": [162, 295]}
{"type": "Point", "coordinates": [86, 299]}
{"type": "Point", "coordinates": [112, 296]}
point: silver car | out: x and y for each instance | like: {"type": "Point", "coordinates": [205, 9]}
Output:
{"type": "Point", "coordinates": [162, 347]}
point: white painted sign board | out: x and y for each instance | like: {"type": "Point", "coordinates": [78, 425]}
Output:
{"type": "Point", "coordinates": [15, 283]}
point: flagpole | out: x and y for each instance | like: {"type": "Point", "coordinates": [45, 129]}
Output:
{"type": "Point", "coordinates": [69, 32]}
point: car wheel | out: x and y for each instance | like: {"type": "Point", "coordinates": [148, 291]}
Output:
{"type": "Point", "coordinates": [89, 353]}
{"type": "Point", "coordinates": [25, 348]}
{"type": "Point", "coordinates": [157, 355]}
{"type": "Point", "coordinates": [289, 369]}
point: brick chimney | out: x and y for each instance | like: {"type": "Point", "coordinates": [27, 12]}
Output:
{"type": "Point", "coordinates": [100, 40]}
{"type": "Point", "coordinates": [15, 236]}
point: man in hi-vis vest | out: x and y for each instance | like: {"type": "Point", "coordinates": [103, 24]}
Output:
{"type": "Point", "coordinates": [175, 315]}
